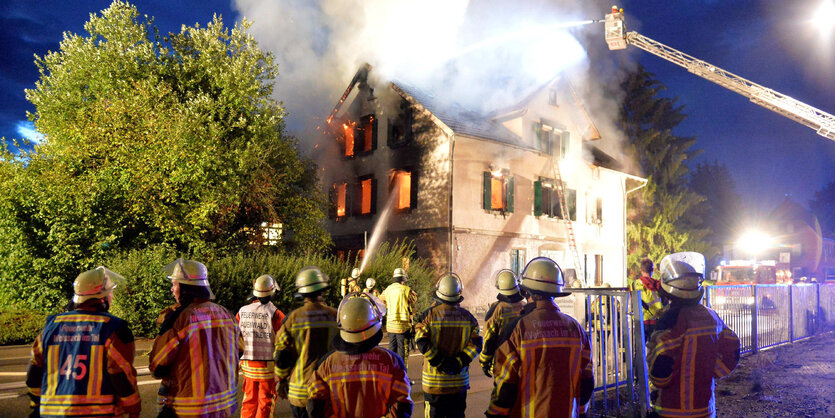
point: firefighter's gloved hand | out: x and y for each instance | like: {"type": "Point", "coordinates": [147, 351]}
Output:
{"type": "Point", "coordinates": [436, 361]}
{"type": "Point", "coordinates": [451, 365]}
{"type": "Point", "coordinates": [487, 367]}
{"type": "Point", "coordinates": [282, 388]}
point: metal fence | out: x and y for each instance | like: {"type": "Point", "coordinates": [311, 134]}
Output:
{"type": "Point", "coordinates": [768, 315]}
{"type": "Point", "coordinates": [613, 320]}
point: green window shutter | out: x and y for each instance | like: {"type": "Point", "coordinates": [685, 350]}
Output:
{"type": "Point", "coordinates": [599, 213]}
{"type": "Point", "coordinates": [510, 194]}
{"type": "Point", "coordinates": [413, 190]}
{"type": "Point", "coordinates": [537, 198]}
{"type": "Point", "coordinates": [487, 183]}
{"type": "Point", "coordinates": [359, 138]}
{"type": "Point", "coordinates": [373, 196]}
{"type": "Point", "coordinates": [333, 202]}
{"type": "Point", "coordinates": [373, 133]}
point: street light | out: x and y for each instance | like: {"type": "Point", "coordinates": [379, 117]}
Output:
{"type": "Point", "coordinates": [754, 242]}
{"type": "Point", "coordinates": [824, 18]}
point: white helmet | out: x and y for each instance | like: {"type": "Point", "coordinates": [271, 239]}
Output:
{"type": "Point", "coordinates": [95, 284]}
{"type": "Point", "coordinates": [682, 274]}
{"type": "Point", "coordinates": [189, 272]}
{"type": "Point", "coordinates": [355, 273]}
{"type": "Point", "coordinates": [264, 285]}
{"type": "Point", "coordinates": [370, 283]}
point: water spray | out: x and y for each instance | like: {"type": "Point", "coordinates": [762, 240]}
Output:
{"type": "Point", "coordinates": [379, 227]}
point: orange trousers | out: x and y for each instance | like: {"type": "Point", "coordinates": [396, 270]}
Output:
{"type": "Point", "coordinates": [259, 398]}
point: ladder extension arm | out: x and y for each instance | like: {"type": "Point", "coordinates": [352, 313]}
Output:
{"type": "Point", "coordinates": [823, 123]}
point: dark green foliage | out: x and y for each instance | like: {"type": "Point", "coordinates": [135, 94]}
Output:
{"type": "Point", "coordinates": [147, 291]}
{"type": "Point", "coordinates": [149, 140]}
{"type": "Point", "coordinates": [20, 326]}
{"type": "Point", "coordinates": [721, 211]}
{"type": "Point", "coordinates": [823, 206]}
{"type": "Point", "coordinates": [662, 219]}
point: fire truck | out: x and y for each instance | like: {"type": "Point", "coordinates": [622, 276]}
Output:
{"type": "Point", "coordinates": [749, 272]}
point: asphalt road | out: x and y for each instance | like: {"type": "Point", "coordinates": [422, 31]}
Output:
{"type": "Point", "coordinates": [15, 403]}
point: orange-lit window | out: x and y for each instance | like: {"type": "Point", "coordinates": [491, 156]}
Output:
{"type": "Point", "coordinates": [365, 206]}
{"type": "Point", "coordinates": [402, 187]}
{"type": "Point", "coordinates": [366, 130]}
{"type": "Point", "coordinates": [340, 194]}
{"type": "Point", "coordinates": [349, 138]}
{"type": "Point", "coordinates": [497, 193]}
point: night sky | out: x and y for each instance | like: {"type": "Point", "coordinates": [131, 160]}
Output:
{"type": "Point", "coordinates": [768, 42]}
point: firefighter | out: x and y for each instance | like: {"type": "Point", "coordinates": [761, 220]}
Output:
{"type": "Point", "coordinates": [82, 361]}
{"type": "Point", "coordinates": [649, 295]}
{"type": "Point", "coordinates": [373, 377]}
{"type": "Point", "coordinates": [369, 287]}
{"type": "Point", "coordinates": [544, 368]}
{"type": "Point", "coordinates": [400, 301]}
{"type": "Point", "coordinates": [197, 350]}
{"type": "Point", "coordinates": [447, 335]}
{"type": "Point", "coordinates": [691, 347]}
{"type": "Point", "coordinates": [509, 306]}
{"type": "Point", "coordinates": [350, 285]}
{"type": "Point", "coordinates": [259, 321]}
{"type": "Point", "coordinates": [305, 337]}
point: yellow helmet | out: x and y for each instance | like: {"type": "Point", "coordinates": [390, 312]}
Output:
{"type": "Point", "coordinates": [506, 282]}
{"type": "Point", "coordinates": [311, 279]}
{"type": "Point", "coordinates": [399, 272]}
{"type": "Point", "coordinates": [95, 284]}
{"type": "Point", "coordinates": [358, 318]}
{"type": "Point", "coordinates": [544, 276]}
{"type": "Point", "coordinates": [264, 285]}
{"type": "Point", "coordinates": [449, 288]}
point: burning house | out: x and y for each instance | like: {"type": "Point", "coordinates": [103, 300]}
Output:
{"type": "Point", "coordinates": [478, 193]}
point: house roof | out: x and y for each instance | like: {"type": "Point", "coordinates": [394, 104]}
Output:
{"type": "Point", "coordinates": [460, 120]}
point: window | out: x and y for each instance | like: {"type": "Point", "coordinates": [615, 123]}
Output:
{"type": "Point", "coordinates": [403, 183]}
{"type": "Point", "coordinates": [552, 97]}
{"type": "Point", "coordinates": [339, 200]}
{"type": "Point", "coordinates": [551, 141]}
{"type": "Point", "coordinates": [594, 214]}
{"type": "Point", "coordinates": [517, 260]}
{"type": "Point", "coordinates": [830, 274]}
{"type": "Point", "coordinates": [272, 233]}
{"type": "Point", "coordinates": [348, 135]}
{"type": "Point", "coordinates": [400, 127]}
{"type": "Point", "coordinates": [366, 201]}
{"type": "Point", "coordinates": [547, 200]}
{"type": "Point", "coordinates": [365, 135]}
{"type": "Point", "coordinates": [498, 191]}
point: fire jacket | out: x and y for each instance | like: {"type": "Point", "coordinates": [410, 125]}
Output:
{"type": "Point", "coordinates": [544, 368]}
{"type": "Point", "coordinates": [399, 300]}
{"type": "Point", "coordinates": [447, 335]}
{"type": "Point", "coordinates": [371, 383]}
{"type": "Point", "coordinates": [82, 364]}
{"type": "Point", "coordinates": [690, 350]}
{"type": "Point", "coordinates": [649, 297]}
{"type": "Point", "coordinates": [305, 337]}
{"type": "Point", "coordinates": [499, 314]}
{"type": "Point", "coordinates": [349, 285]}
{"type": "Point", "coordinates": [197, 360]}
{"type": "Point", "coordinates": [258, 323]}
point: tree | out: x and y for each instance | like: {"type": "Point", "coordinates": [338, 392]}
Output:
{"type": "Point", "coordinates": [663, 219]}
{"type": "Point", "coordinates": [822, 205]}
{"type": "Point", "coordinates": [721, 211]}
{"type": "Point", "coordinates": [149, 140]}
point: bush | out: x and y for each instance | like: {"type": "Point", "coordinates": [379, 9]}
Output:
{"type": "Point", "coordinates": [20, 326]}
{"type": "Point", "coordinates": [147, 292]}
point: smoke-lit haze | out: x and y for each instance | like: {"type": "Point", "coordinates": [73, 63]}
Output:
{"type": "Point", "coordinates": [441, 45]}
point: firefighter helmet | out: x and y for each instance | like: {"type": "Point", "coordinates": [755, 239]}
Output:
{"type": "Point", "coordinates": [370, 283]}
{"type": "Point", "coordinates": [506, 282]}
{"type": "Point", "coordinates": [682, 274]}
{"type": "Point", "coordinates": [263, 286]}
{"type": "Point", "coordinates": [358, 318]}
{"type": "Point", "coordinates": [95, 284]}
{"type": "Point", "coordinates": [400, 273]}
{"type": "Point", "coordinates": [189, 272]}
{"type": "Point", "coordinates": [543, 276]}
{"type": "Point", "coordinates": [449, 288]}
{"type": "Point", "coordinates": [355, 273]}
{"type": "Point", "coordinates": [311, 279]}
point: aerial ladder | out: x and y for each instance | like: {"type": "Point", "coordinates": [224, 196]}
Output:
{"type": "Point", "coordinates": [617, 38]}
